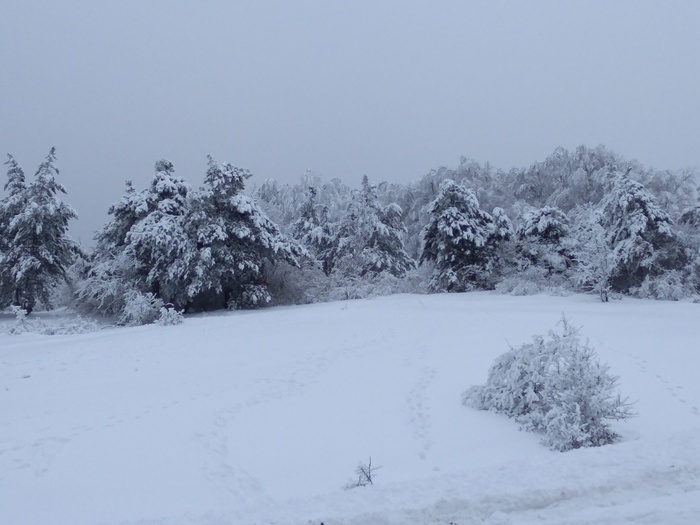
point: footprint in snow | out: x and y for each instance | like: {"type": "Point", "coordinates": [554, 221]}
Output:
{"type": "Point", "coordinates": [420, 413]}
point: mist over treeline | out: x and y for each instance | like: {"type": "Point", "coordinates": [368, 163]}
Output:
{"type": "Point", "coordinates": [581, 220]}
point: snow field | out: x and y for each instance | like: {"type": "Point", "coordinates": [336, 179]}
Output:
{"type": "Point", "coordinates": [262, 417]}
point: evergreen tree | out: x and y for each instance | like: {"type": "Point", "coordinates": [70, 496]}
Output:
{"type": "Point", "coordinates": [158, 240]}
{"type": "Point", "coordinates": [129, 210]}
{"type": "Point", "coordinates": [233, 239]}
{"type": "Point", "coordinates": [38, 249]}
{"type": "Point", "coordinates": [462, 240]}
{"type": "Point", "coordinates": [313, 230]}
{"type": "Point", "coordinates": [16, 183]}
{"type": "Point", "coordinates": [142, 252]}
{"type": "Point", "coordinates": [110, 274]}
{"type": "Point", "coordinates": [10, 207]}
{"type": "Point", "coordinates": [638, 231]}
{"type": "Point", "coordinates": [386, 249]}
{"type": "Point", "coordinates": [368, 240]}
{"type": "Point", "coordinates": [540, 239]}
{"type": "Point", "coordinates": [688, 232]}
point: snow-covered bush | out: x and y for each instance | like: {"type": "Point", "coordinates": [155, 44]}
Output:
{"type": "Point", "coordinates": [140, 308]}
{"type": "Point", "coordinates": [309, 284]}
{"type": "Point", "coordinates": [415, 281]}
{"type": "Point", "coordinates": [534, 280]}
{"type": "Point", "coordinates": [251, 296]}
{"type": "Point", "coordinates": [555, 386]}
{"type": "Point", "coordinates": [20, 324]}
{"type": "Point", "coordinates": [77, 325]}
{"type": "Point", "coordinates": [169, 316]}
{"type": "Point", "coordinates": [670, 286]}
{"type": "Point", "coordinates": [517, 286]}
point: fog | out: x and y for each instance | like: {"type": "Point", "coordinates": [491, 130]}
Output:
{"type": "Point", "coordinates": [390, 89]}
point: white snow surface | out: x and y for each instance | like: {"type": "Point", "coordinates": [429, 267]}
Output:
{"type": "Point", "coordinates": [262, 417]}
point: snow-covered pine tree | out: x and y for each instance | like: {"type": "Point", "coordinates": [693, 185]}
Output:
{"type": "Point", "coordinates": [313, 230]}
{"type": "Point", "coordinates": [689, 236]}
{"type": "Point", "coordinates": [38, 250]}
{"type": "Point", "coordinates": [16, 182]}
{"type": "Point", "coordinates": [129, 210]}
{"type": "Point", "coordinates": [638, 231]}
{"type": "Point", "coordinates": [547, 225]}
{"type": "Point", "coordinates": [233, 238]}
{"type": "Point", "coordinates": [540, 239]}
{"type": "Point", "coordinates": [158, 241]}
{"type": "Point", "coordinates": [383, 232]}
{"type": "Point", "coordinates": [386, 248]}
{"type": "Point", "coordinates": [462, 240]}
{"type": "Point", "coordinates": [10, 206]}
{"type": "Point", "coordinates": [682, 282]}
{"type": "Point", "coordinates": [369, 238]}
{"type": "Point", "coordinates": [110, 275]}
{"type": "Point", "coordinates": [112, 280]}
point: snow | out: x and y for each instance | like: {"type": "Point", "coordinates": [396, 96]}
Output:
{"type": "Point", "coordinates": [262, 417]}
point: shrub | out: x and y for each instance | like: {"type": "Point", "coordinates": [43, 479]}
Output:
{"type": "Point", "coordinates": [140, 308]}
{"type": "Point", "coordinates": [169, 316]}
{"type": "Point", "coordinates": [669, 286]}
{"type": "Point", "coordinates": [365, 474]}
{"type": "Point", "coordinates": [251, 296]}
{"type": "Point", "coordinates": [555, 386]}
{"type": "Point", "coordinates": [77, 325]}
{"type": "Point", "coordinates": [20, 324]}
{"type": "Point", "coordinates": [533, 280]}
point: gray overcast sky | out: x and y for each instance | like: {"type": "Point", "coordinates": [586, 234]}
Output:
{"type": "Point", "coordinates": [389, 89]}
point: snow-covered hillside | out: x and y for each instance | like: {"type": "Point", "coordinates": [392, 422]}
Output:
{"type": "Point", "coordinates": [262, 417]}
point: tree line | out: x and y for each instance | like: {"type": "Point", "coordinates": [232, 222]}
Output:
{"type": "Point", "coordinates": [580, 220]}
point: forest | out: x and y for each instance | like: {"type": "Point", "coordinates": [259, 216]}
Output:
{"type": "Point", "coordinates": [583, 220]}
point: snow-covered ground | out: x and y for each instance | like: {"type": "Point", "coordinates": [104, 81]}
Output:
{"type": "Point", "coordinates": [262, 417]}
